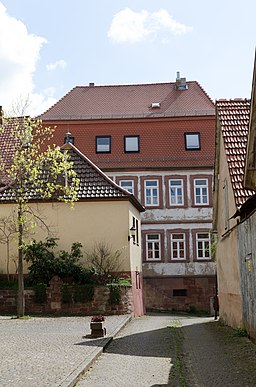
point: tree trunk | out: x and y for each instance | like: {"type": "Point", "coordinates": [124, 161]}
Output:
{"type": "Point", "coordinates": [21, 297]}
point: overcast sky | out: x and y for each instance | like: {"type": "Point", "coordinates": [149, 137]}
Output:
{"type": "Point", "coordinates": [47, 47]}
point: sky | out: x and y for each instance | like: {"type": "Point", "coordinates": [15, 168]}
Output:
{"type": "Point", "coordinates": [47, 47]}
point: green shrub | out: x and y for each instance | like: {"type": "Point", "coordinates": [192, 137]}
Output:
{"type": "Point", "coordinates": [40, 296]}
{"type": "Point", "coordinates": [45, 263]}
{"type": "Point", "coordinates": [66, 294]}
{"type": "Point", "coordinates": [83, 293]}
{"type": "Point", "coordinates": [114, 294]}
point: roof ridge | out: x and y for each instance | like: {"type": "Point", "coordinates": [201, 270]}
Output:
{"type": "Point", "coordinates": [136, 84]}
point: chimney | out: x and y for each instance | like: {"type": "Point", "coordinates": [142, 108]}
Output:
{"type": "Point", "coordinates": [91, 84]}
{"type": "Point", "coordinates": [181, 83]}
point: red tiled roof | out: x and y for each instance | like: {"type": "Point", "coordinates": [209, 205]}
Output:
{"type": "Point", "coordinates": [234, 116]}
{"type": "Point", "coordinates": [8, 142]}
{"type": "Point", "coordinates": [94, 184]}
{"type": "Point", "coordinates": [126, 101]}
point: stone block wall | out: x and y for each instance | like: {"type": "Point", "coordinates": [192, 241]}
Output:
{"type": "Point", "coordinates": [55, 305]}
{"type": "Point", "coordinates": [179, 294]}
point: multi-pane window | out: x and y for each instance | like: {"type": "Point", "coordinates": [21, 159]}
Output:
{"type": "Point", "coordinates": [153, 247]}
{"type": "Point", "coordinates": [178, 246]}
{"type": "Point", "coordinates": [176, 192]}
{"type": "Point", "coordinates": [128, 185]}
{"type": "Point", "coordinates": [151, 193]}
{"type": "Point", "coordinates": [131, 144]}
{"type": "Point", "coordinates": [201, 192]}
{"type": "Point", "coordinates": [203, 245]}
{"type": "Point", "coordinates": [192, 141]}
{"type": "Point", "coordinates": [103, 144]}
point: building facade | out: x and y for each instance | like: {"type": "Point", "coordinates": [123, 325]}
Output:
{"type": "Point", "coordinates": [157, 141]}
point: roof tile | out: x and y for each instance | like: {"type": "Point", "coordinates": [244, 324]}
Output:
{"type": "Point", "coordinates": [234, 116]}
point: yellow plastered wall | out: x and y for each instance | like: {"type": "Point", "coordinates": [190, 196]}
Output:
{"type": "Point", "coordinates": [87, 223]}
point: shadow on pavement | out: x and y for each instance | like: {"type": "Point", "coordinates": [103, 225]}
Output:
{"type": "Point", "coordinates": [155, 343]}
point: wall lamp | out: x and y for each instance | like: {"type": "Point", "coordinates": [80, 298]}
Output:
{"type": "Point", "coordinates": [132, 233]}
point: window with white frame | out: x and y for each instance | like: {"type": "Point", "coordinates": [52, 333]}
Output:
{"type": "Point", "coordinates": [153, 247]}
{"type": "Point", "coordinates": [176, 192]}
{"type": "Point", "coordinates": [128, 185]}
{"type": "Point", "coordinates": [131, 144]}
{"type": "Point", "coordinates": [151, 193]}
{"type": "Point", "coordinates": [178, 246]}
{"type": "Point", "coordinates": [201, 191]}
{"type": "Point", "coordinates": [192, 141]}
{"type": "Point", "coordinates": [203, 245]}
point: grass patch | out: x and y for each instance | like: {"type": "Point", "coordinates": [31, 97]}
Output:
{"type": "Point", "coordinates": [177, 374]}
{"type": "Point", "coordinates": [241, 332]}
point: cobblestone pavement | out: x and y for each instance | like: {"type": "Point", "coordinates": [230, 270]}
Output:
{"type": "Point", "coordinates": [154, 350]}
{"type": "Point", "coordinates": [46, 352]}
{"type": "Point", "coordinates": [164, 350]}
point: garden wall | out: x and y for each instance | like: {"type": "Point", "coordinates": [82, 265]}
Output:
{"type": "Point", "coordinates": [62, 299]}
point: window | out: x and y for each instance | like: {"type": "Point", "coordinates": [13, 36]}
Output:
{"type": "Point", "coordinates": [128, 185]}
{"type": "Point", "coordinates": [176, 192]}
{"type": "Point", "coordinates": [131, 144]}
{"type": "Point", "coordinates": [103, 144]}
{"type": "Point", "coordinates": [151, 193]}
{"type": "Point", "coordinates": [203, 246]}
{"type": "Point", "coordinates": [179, 292]}
{"type": "Point", "coordinates": [153, 249]}
{"type": "Point", "coordinates": [178, 246]}
{"type": "Point", "coordinates": [201, 195]}
{"type": "Point", "coordinates": [192, 141]}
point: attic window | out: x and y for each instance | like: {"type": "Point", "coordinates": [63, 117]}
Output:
{"type": "Point", "coordinates": [103, 144]}
{"type": "Point", "coordinates": [131, 144]}
{"type": "Point", "coordinates": [192, 141]}
{"type": "Point", "coordinates": [155, 105]}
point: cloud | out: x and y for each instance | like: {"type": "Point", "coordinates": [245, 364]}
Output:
{"type": "Point", "coordinates": [19, 53]}
{"type": "Point", "coordinates": [133, 27]}
{"type": "Point", "coordinates": [59, 63]}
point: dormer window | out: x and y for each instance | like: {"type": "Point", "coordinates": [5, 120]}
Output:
{"type": "Point", "coordinates": [192, 141]}
{"type": "Point", "coordinates": [155, 105]}
{"type": "Point", "coordinates": [103, 144]}
{"type": "Point", "coordinates": [131, 144]}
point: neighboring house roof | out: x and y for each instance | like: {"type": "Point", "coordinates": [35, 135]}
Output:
{"type": "Point", "coordinates": [131, 101]}
{"type": "Point", "coordinates": [233, 116]}
{"type": "Point", "coordinates": [94, 184]}
{"type": "Point", "coordinates": [8, 142]}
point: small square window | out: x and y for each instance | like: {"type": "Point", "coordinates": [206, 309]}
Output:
{"type": "Point", "coordinates": [179, 292]}
{"type": "Point", "coordinates": [103, 144]}
{"type": "Point", "coordinates": [131, 144]}
{"type": "Point", "coordinates": [192, 141]}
